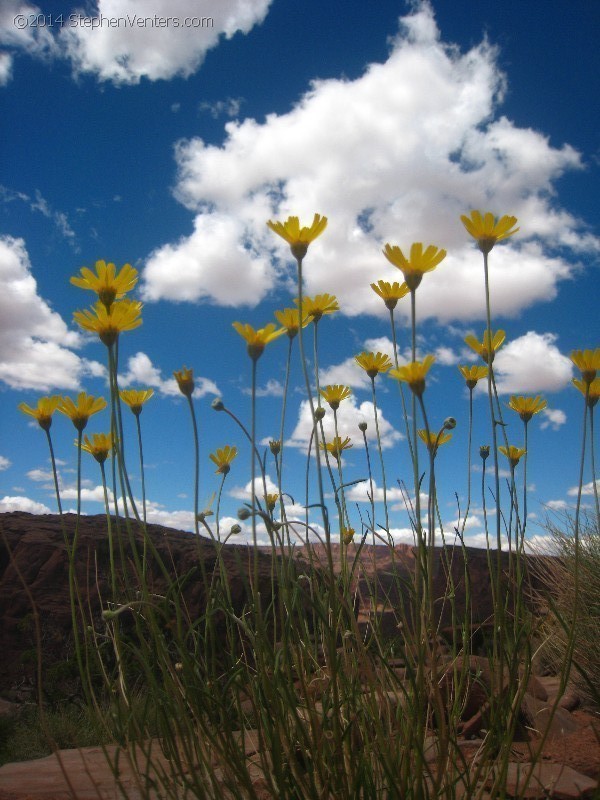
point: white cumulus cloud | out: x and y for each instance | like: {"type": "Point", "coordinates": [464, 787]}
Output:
{"type": "Point", "coordinates": [531, 363]}
{"type": "Point", "coordinates": [123, 41]}
{"type": "Point", "coordinates": [553, 418]}
{"type": "Point", "coordinates": [19, 503]}
{"type": "Point", "coordinates": [142, 372]}
{"type": "Point", "coordinates": [349, 414]}
{"type": "Point", "coordinates": [425, 141]}
{"type": "Point", "coordinates": [35, 342]}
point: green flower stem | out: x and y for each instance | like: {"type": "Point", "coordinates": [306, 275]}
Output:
{"type": "Point", "coordinates": [54, 472]}
{"type": "Point", "coordinates": [578, 505]}
{"type": "Point", "coordinates": [385, 504]}
{"type": "Point", "coordinates": [312, 411]}
{"type": "Point", "coordinates": [525, 484]}
{"type": "Point", "coordinates": [469, 452]}
{"type": "Point", "coordinates": [253, 471]}
{"type": "Point", "coordinates": [117, 431]}
{"type": "Point", "coordinates": [345, 518]}
{"type": "Point", "coordinates": [219, 506]}
{"type": "Point", "coordinates": [279, 459]}
{"type": "Point", "coordinates": [196, 464]}
{"type": "Point", "coordinates": [499, 609]}
{"type": "Point", "coordinates": [364, 433]}
{"type": "Point", "coordinates": [143, 477]}
{"type": "Point", "coordinates": [490, 376]}
{"type": "Point", "coordinates": [593, 459]}
{"type": "Point", "coordinates": [72, 549]}
{"type": "Point", "coordinates": [113, 355]}
{"type": "Point", "coordinates": [142, 474]}
{"type": "Point", "coordinates": [248, 436]}
{"type": "Point", "coordinates": [111, 554]}
{"type": "Point", "coordinates": [415, 453]}
{"type": "Point", "coordinates": [400, 386]}
{"type": "Point", "coordinates": [493, 585]}
{"type": "Point", "coordinates": [321, 428]}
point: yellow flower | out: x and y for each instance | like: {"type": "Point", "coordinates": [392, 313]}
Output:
{"type": "Point", "coordinates": [79, 414]}
{"type": "Point", "coordinates": [414, 374]}
{"type": "Point", "coordinates": [108, 323]}
{"type": "Point", "coordinates": [289, 319]}
{"type": "Point", "coordinates": [483, 348]}
{"type": "Point", "coordinates": [336, 446]}
{"type": "Point", "coordinates": [513, 454]}
{"type": "Point", "coordinates": [334, 394]}
{"type": "Point", "coordinates": [526, 407]}
{"type": "Point", "coordinates": [588, 362]}
{"type": "Point", "coordinates": [373, 363]}
{"type": "Point", "coordinates": [431, 440]}
{"type": "Point", "coordinates": [108, 285]}
{"type": "Point", "coordinates": [591, 389]}
{"type": "Point", "coordinates": [46, 406]}
{"type": "Point", "coordinates": [185, 381]}
{"type": "Point", "coordinates": [473, 374]}
{"type": "Point", "coordinates": [99, 447]}
{"type": "Point", "coordinates": [347, 534]}
{"type": "Point", "coordinates": [299, 238]}
{"type": "Point", "coordinates": [417, 265]}
{"type": "Point", "coordinates": [223, 457]}
{"type": "Point", "coordinates": [271, 500]}
{"type": "Point", "coordinates": [258, 339]}
{"type": "Point", "coordinates": [390, 293]}
{"type": "Point", "coordinates": [135, 398]}
{"type": "Point", "coordinates": [322, 304]}
{"type": "Point", "coordinates": [487, 229]}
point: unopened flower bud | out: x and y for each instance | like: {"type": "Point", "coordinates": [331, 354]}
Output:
{"type": "Point", "coordinates": [217, 404]}
{"type": "Point", "coordinates": [484, 451]}
{"type": "Point", "coordinates": [362, 426]}
{"type": "Point", "coordinates": [319, 413]}
{"type": "Point", "coordinates": [275, 446]}
{"type": "Point", "coordinates": [244, 513]}
{"type": "Point", "coordinates": [235, 529]}
{"type": "Point", "coordinates": [449, 423]}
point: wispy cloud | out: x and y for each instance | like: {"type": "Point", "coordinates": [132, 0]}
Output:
{"type": "Point", "coordinates": [41, 205]}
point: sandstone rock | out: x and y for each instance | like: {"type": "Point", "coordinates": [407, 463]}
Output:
{"type": "Point", "coordinates": [540, 717]}
{"type": "Point", "coordinates": [548, 781]}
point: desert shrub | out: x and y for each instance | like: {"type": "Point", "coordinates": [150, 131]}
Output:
{"type": "Point", "coordinates": [570, 602]}
{"type": "Point", "coordinates": [23, 735]}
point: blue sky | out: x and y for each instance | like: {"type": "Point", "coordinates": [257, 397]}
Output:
{"type": "Point", "coordinates": [169, 147]}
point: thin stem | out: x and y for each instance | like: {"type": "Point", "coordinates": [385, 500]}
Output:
{"type": "Point", "coordinates": [400, 386]}
{"type": "Point", "coordinates": [117, 432]}
{"type": "Point", "coordinates": [111, 554]}
{"type": "Point", "coordinates": [219, 506]}
{"type": "Point", "coordinates": [370, 484]}
{"type": "Point", "coordinates": [253, 463]}
{"type": "Point", "coordinates": [312, 409]}
{"type": "Point", "coordinates": [279, 460]}
{"type": "Point", "coordinates": [593, 458]}
{"type": "Point", "coordinates": [139, 433]}
{"type": "Point", "coordinates": [385, 505]}
{"type": "Point", "coordinates": [525, 482]}
{"type": "Point", "coordinates": [469, 451]}
{"type": "Point", "coordinates": [54, 472]}
{"type": "Point", "coordinates": [196, 465]}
